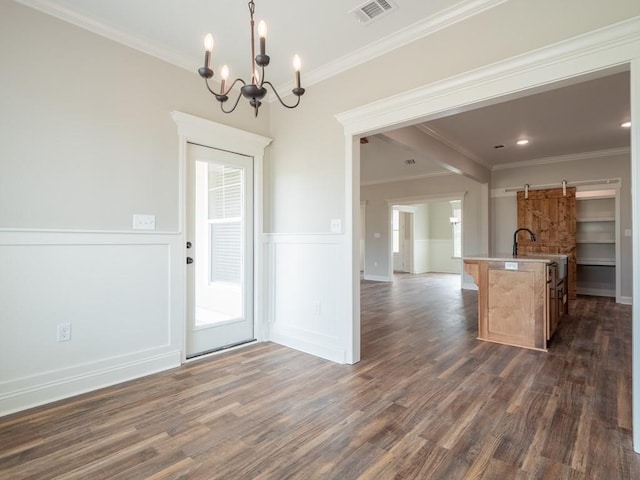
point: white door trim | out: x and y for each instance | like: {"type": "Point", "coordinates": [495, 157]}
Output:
{"type": "Point", "coordinates": [612, 48]}
{"type": "Point", "coordinates": [216, 135]}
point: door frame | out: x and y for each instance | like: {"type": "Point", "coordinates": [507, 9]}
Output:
{"type": "Point", "coordinates": [405, 204]}
{"type": "Point", "coordinates": [616, 47]}
{"type": "Point", "coordinates": [406, 213]}
{"type": "Point", "coordinates": [192, 129]}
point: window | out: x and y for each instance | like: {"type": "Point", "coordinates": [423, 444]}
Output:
{"type": "Point", "coordinates": [225, 223]}
{"type": "Point", "coordinates": [456, 225]}
{"type": "Point", "coordinates": [396, 231]}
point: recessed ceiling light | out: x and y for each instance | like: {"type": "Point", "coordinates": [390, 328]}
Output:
{"type": "Point", "coordinates": [626, 125]}
{"type": "Point", "coordinates": [522, 142]}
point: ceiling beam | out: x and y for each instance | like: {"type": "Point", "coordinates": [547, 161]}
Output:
{"type": "Point", "coordinates": [428, 147]}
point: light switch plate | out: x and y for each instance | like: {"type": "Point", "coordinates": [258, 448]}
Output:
{"type": "Point", "coordinates": [144, 222]}
{"type": "Point", "coordinates": [511, 265]}
{"type": "Point", "coordinates": [627, 233]}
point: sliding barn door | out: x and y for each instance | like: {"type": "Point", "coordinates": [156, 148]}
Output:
{"type": "Point", "coordinates": [551, 215]}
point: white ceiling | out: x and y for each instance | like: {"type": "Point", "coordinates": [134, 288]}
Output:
{"type": "Point", "coordinates": [385, 161]}
{"type": "Point", "coordinates": [581, 117]}
{"type": "Point", "coordinates": [327, 37]}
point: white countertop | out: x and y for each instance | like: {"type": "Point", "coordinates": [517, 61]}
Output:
{"type": "Point", "coordinates": [505, 257]}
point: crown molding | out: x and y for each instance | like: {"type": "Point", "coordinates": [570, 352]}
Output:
{"type": "Point", "coordinates": [564, 158]}
{"type": "Point", "coordinates": [614, 45]}
{"type": "Point", "coordinates": [443, 19]}
{"type": "Point", "coordinates": [405, 178]}
{"type": "Point", "coordinates": [99, 28]}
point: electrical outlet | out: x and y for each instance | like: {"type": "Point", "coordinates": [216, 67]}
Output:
{"type": "Point", "coordinates": [64, 332]}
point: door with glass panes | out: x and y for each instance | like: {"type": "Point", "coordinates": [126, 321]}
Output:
{"type": "Point", "coordinates": [219, 249]}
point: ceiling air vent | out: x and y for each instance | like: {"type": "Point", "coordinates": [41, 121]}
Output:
{"type": "Point", "coordinates": [411, 161]}
{"type": "Point", "coordinates": [373, 9]}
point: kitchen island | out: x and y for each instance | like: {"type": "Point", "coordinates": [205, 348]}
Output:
{"type": "Point", "coordinates": [520, 299]}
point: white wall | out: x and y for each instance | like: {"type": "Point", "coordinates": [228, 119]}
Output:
{"type": "Point", "coordinates": [83, 115]}
{"type": "Point", "coordinates": [429, 228]}
{"type": "Point", "coordinates": [441, 240]}
{"type": "Point", "coordinates": [312, 177]}
{"type": "Point", "coordinates": [86, 141]}
{"type": "Point", "coordinates": [310, 182]}
{"type": "Point", "coordinates": [421, 252]}
{"type": "Point", "coordinates": [432, 239]}
{"type": "Point", "coordinates": [602, 166]}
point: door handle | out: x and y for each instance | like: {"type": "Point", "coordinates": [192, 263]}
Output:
{"type": "Point", "coordinates": [189, 260]}
{"type": "Point", "coordinates": [188, 244]}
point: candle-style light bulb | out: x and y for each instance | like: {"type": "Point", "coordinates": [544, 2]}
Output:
{"type": "Point", "coordinates": [262, 33]}
{"type": "Point", "coordinates": [224, 74]}
{"type": "Point", "coordinates": [208, 42]}
{"type": "Point", "coordinates": [208, 48]}
{"type": "Point", "coordinates": [297, 64]}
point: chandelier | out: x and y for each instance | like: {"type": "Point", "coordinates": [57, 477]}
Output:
{"type": "Point", "coordinates": [255, 90]}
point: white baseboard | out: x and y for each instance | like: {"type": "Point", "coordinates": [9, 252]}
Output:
{"type": "Point", "coordinates": [333, 353]}
{"type": "Point", "coordinates": [469, 286]}
{"type": "Point", "coordinates": [625, 300]}
{"type": "Point", "coordinates": [596, 292]}
{"type": "Point", "coordinates": [22, 394]}
{"type": "Point", "coordinates": [378, 278]}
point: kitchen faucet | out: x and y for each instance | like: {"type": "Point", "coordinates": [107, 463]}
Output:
{"type": "Point", "coordinates": [515, 239]}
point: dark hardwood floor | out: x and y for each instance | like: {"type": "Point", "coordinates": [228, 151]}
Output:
{"type": "Point", "coordinates": [427, 401]}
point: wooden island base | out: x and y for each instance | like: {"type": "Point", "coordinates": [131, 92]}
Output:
{"type": "Point", "coordinates": [520, 300]}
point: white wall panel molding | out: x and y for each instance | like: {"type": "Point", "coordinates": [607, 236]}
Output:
{"type": "Point", "coordinates": [121, 293]}
{"type": "Point", "coordinates": [90, 232]}
{"type": "Point", "coordinates": [421, 256]}
{"type": "Point", "coordinates": [27, 392]}
{"type": "Point", "coordinates": [309, 322]}
{"type": "Point", "coordinates": [440, 259]}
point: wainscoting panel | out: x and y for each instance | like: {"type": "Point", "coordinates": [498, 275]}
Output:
{"type": "Point", "coordinates": [421, 256]}
{"type": "Point", "coordinates": [440, 257]}
{"type": "Point", "coordinates": [308, 309]}
{"type": "Point", "coordinates": [120, 294]}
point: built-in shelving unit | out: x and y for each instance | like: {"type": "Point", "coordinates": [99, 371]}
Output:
{"type": "Point", "coordinates": [597, 242]}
